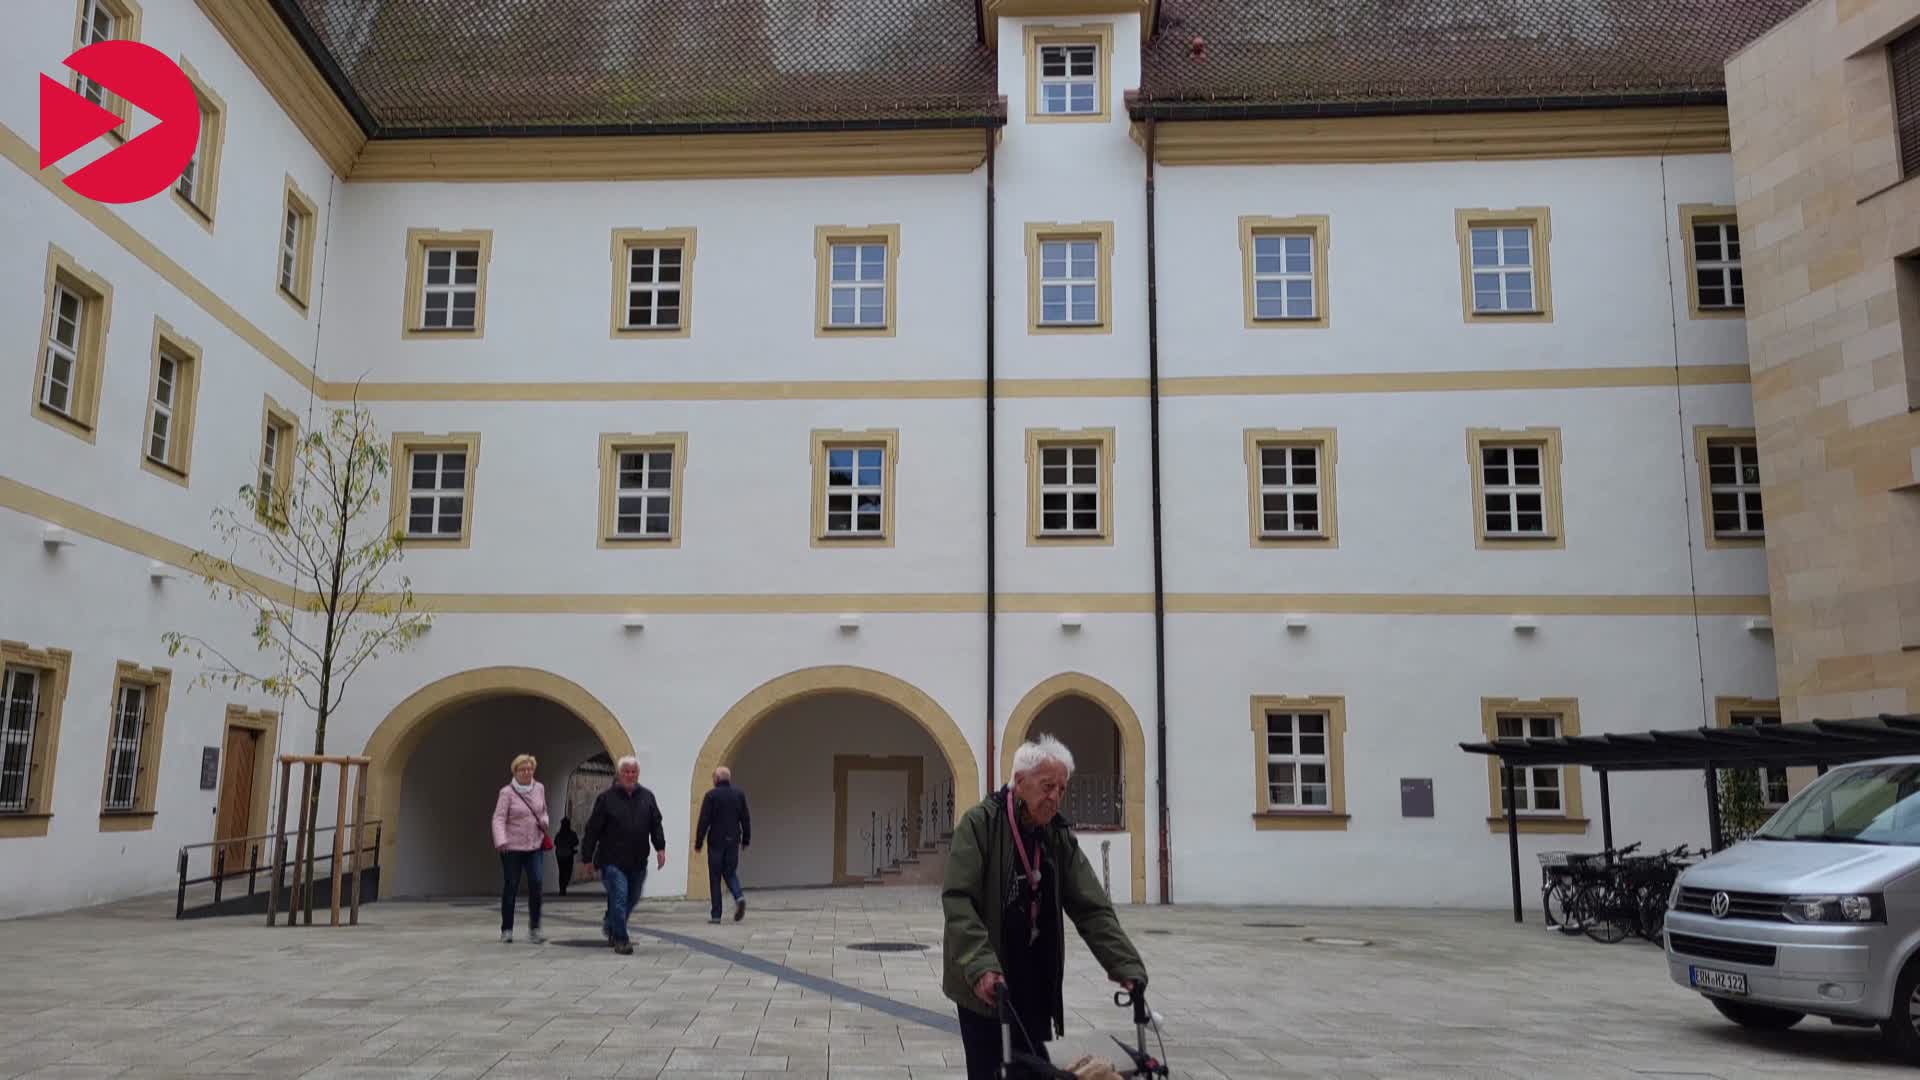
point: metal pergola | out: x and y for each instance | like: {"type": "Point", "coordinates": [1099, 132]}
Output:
{"type": "Point", "coordinates": [1817, 743]}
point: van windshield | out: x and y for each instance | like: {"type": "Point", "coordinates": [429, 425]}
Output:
{"type": "Point", "coordinates": [1862, 804]}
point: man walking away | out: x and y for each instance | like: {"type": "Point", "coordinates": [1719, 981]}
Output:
{"type": "Point", "coordinates": [1014, 869]}
{"type": "Point", "coordinates": [625, 820]}
{"type": "Point", "coordinates": [724, 821]}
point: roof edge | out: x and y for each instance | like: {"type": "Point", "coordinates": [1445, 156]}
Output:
{"type": "Point", "coordinates": [303, 33]}
{"type": "Point", "coordinates": [991, 118]}
{"type": "Point", "coordinates": [1140, 108]}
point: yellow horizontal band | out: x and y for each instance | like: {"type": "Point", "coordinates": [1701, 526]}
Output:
{"type": "Point", "coordinates": [48, 507]}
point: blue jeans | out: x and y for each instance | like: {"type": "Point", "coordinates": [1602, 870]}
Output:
{"type": "Point", "coordinates": [723, 863]}
{"type": "Point", "coordinates": [623, 891]}
{"type": "Point", "coordinates": [512, 864]}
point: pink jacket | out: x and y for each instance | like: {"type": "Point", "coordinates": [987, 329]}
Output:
{"type": "Point", "coordinates": [514, 826]}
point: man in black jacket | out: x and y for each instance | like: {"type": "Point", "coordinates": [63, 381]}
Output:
{"type": "Point", "coordinates": [624, 821]}
{"type": "Point", "coordinates": [724, 820]}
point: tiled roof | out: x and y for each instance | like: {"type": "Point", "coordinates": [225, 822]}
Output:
{"type": "Point", "coordinates": [489, 66]}
{"type": "Point", "coordinates": [1278, 56]}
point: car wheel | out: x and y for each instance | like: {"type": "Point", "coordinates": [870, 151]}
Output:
{"type": "Point", "coordinates": [1902, 1029]}
{"type": "Point", "coordinates": [1757, 1017]}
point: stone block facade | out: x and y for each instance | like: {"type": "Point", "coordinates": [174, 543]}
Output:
{"type": "Point", "coordinates": [1831, 225]}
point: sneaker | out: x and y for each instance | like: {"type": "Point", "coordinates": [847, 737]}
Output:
{"type": "Point", "coordinates": [624, 948]}
{"type": "Point", "coordinates": [739, 909]}
{"type": "Point", "coordinates": [714, 919]}
{"type": "Point", "coordinates": [536, 937]}
{"type": "Point", "coordinates": [506, 937]}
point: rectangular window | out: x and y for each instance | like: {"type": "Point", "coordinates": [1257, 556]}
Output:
{"type": "Point", "coordinates": [1069, 268]}
{"type": "Point", "coordinates": [123, 748]}
{"type": "Point", "coordinates": [167, 448]}
{"type": "Point", "coordinates": [73, 346]}
{"type": "Point", "coordinates": [1068, 71]}
{"type": "Point", "coordinates": [1516, 486]}
{"type": "Point", "coordinates": [1290, 484]}
{"type": "Point", "coordinates": [1546, 799]}
{"type": "Point", "coordinates": [299, 220]}
{"type": "Point", "coordinates": [33, 686]}
{"type": "Point", "coordinates": [1299, 762]}
{"type": "Point", "coordinates": [105, 20]}
{"type": "Point", "coordinates": [1284, 266]}
{"type": "Point", "coordinates": [1502, 269]}
{"type": "Point", "coordinates": [1733, 473]}
{"type": "Point", "coordinates": [1504, 264]}
{"type": "Point", "coordinates": [21, 696]}
{"type": "Point", "coordinates": [433, 487]}
{"type": "Point", "coordinates": [1069, 283]}
{"type": "Point", "coordinates": [135, 724]}
{"type": "Point", "coordinates": [857, 289]}
{"type": "Point", "coordinates": [274, 479]}
{"type": "Point", "coordinates": [447, 282]}
{"type": "Point", "coordinates": [857, 279]}
{"type": "Point", "coordinates": [1297, 758]}
{"type": "Point", "coordinates": [853, 486]}
{"type": "Point", "coordinates": [653, 288]}
{"type": "Point", "coordinates": [640, 494]}
{"type": "Point", "coordinates": [652, 282]}
{"type": "Point", "coordinates": [1535, 790]}
{"type": "Point", "coordinates": [1903, 60]}
{"type": "Point", "coordinates": [451, 300]}
{"type": "Point", "coordinates": [1071, 484]}
{"type": "Point", "coordinates": [1716, 286]}
{"type": "Point", "coordinates": [436, 493]}
{"type": "Point", "coordinates": [199, 184]}
{"type": "Point", "coordinates": [1069, 79]}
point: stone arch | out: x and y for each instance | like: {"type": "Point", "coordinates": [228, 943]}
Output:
{"type": "Point", "coordinates": [1133, 751]}
{"type": "Point", "coordinates": [393, 742]}
{"type": "Point", "coordinates": [746, 714]}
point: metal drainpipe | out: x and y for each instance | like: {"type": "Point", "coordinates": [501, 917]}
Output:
{"type": "Point", "coordinates": [1159, 564]}
{"type": "Point", "coordinates": [992, 596]}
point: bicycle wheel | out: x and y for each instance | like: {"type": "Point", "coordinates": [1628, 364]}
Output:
{"type": "Point", "coordinates": [1605, 922]}
{"type": "Point", "coordinates": [1653, 913]}
{"type": "Point", "coordinates": [1562, 907]}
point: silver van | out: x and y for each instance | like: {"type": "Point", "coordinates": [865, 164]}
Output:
{"type": "Point", "coordinates": [1818, 913]}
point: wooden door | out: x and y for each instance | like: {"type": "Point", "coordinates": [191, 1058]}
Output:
{"type": "Point", "coordinates": [236, 794]}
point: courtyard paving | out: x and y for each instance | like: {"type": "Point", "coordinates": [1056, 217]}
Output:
{"type": "Point", "coordinates": [424, 990]}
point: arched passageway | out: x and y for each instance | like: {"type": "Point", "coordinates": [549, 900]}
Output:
{"type": "Point", "coordinates": [824, 755]}
{"type": "Point", "coordinates": [440, 757]}
{"type": "Point", "coordinates": [1107, 799]}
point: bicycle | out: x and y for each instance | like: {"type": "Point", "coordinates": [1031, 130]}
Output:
{"type": "Point", "coordinates": [1563, 874]}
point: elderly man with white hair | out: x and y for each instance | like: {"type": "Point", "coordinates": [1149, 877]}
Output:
{"type": "Point", "coordinates": [1014, 870]}
{"type": "Point", "coordinates": [625, 820]}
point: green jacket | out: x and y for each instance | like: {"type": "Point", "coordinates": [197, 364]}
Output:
{"type": "Point", "coordinates": [978, 866]}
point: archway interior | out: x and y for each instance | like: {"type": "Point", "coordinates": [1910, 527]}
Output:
{"type": "Point", "coordinates": [452, 777]}
{"type": "Point", "coordinates": [833, 767]}
{"type": "Point", "coordinates": [1096, 797]}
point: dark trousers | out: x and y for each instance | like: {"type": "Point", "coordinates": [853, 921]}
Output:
{"type": "Point", "coordinates": [980, 1036]}
{"type": "Point", "coordinates": [512, 864]}
{"type": "Point", "coordinates": [566, 871]}
{"type": "Point", "coordinates": [723, 864]}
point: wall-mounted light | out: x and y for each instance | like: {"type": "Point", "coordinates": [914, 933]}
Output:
{"type": "Point", "coordinates": [1761, 625]}
{"type": "Point", "coordinates": [54, 536]}
{"type": "Point", "coordinates": [849, 623]}
{"type": "Point", "coordinates": [1070, 623]}
{"type": "Point", "coordinates": [1296, 624]}
{"type": "Point", "coordinates": [1525, 624]}
{"type": "Point", "coordinates": [159, 571]}
{"type": "Point", "coordinates": [634, 622]}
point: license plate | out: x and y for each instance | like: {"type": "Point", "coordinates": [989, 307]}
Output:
{"type": "Point", "coordinates": [1720, 982]}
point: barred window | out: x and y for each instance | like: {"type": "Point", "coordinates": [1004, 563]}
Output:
{"type": "Point", "coordinates": [123, 748]}
{"type": "Point", "coordinates": [20, 698]}
{"type": "Point", "coordinates": [1903, 57]}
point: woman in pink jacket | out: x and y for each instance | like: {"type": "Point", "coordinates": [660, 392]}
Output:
{"type": "Point", "coordinates": [519, 835]}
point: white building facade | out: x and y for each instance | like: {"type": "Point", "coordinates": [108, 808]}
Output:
{"type": "Point", "coordinates": [1430, 430]}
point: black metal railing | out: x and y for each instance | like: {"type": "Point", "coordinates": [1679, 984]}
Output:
{"type": "Point", "coordinates": [1095, 801]}
{"type": "Point", "coordinates": [247, 861]}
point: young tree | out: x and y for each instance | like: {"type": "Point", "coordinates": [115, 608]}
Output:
{"type": "Point", "coordinates": [320, 540]}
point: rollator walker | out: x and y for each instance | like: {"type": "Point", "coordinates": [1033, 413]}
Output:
{"type": "Point", "coordinates": [1019, 1066]}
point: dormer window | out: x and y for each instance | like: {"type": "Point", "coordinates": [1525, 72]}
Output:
{"type": "Point", "coordinates": [1068, 83]}
{"type": "Point", "coordinates": [1069, 72]}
